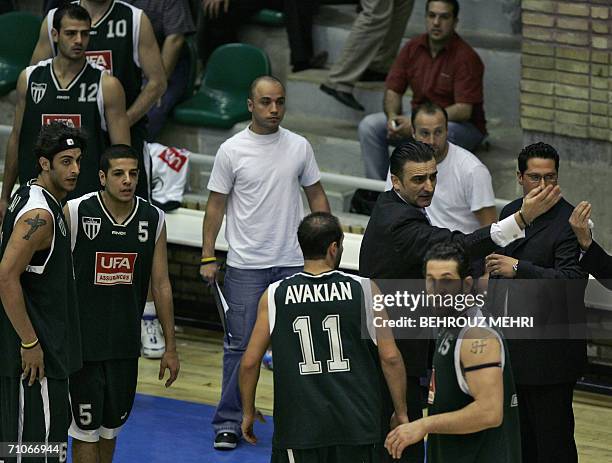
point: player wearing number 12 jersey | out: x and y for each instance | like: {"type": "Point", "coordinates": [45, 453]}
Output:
{"type": "Point", "coordinates": [122, 42]}
{"type": "Point", "coordinates": [66, 89]}
{"type": "Point", "coordinates": [326, 375]}
{"type": "Point", "coordinates": [118, 244]}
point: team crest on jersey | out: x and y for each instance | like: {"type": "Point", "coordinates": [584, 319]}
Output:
{"type": "Point", "coordinates": [115, 268]}
{"type": "Point", "coordinates": [91, 226]}
{"type": "Point", "coordinates": [71, 120]}
{"type": "Point", "coordinates": [61, 224]}
{"type": "Point", "coordinates": [101, 59]}
{"type": "Point", "coordinates": [38, 91]}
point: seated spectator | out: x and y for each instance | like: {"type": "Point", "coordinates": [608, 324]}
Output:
{"type": "Point", "coordinates": [369, 49]}
{"type": "Point", "coordinates": [172, 21]}
{"type": "Point", "coordinates": [438, 66]}
{"type": "Point", "coordinates": [221, 20]}
{"type": "Point", "coordinates": [464, 198]}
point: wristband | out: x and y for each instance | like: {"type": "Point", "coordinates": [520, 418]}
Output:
{"type": "Point", "coordinates": [30, 345]}
{"type": "Point", "coordinates": [207, 260]}
{"type": "Point", "coordinates": [527, 224]}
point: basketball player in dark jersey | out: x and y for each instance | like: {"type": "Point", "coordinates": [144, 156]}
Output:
{"type": "Point", "coordinates": [39, 318]}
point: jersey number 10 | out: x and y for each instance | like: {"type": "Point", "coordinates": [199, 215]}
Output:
{"type": "Point", "coordinates": [311, 366]}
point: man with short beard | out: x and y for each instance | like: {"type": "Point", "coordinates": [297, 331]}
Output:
{"type": "Point", "coordinates": [39, 321]}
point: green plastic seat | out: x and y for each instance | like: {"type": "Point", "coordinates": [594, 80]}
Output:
{"type": "Point", "coordinates": [267, 17]}
{"type": "Point", "coordinates": [18, 37]}
{"type": "Point", "coordinates": [221, 100]}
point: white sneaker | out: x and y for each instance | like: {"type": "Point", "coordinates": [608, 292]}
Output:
{"type": "Point", "coordinates": [152, 339]}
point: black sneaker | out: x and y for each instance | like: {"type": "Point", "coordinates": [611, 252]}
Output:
{"type": "Point", "coordinates": [226, 441]}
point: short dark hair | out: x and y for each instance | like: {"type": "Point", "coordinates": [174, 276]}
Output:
{"type": "Point", "coordinates": [428, 108]}
{"type": "Point", "coordinates": [449, 251]}
{"type": "Point", "coordinates": [72, 11]}
{"type": "Point", "coordinates": [117, 152]}
{"type": "Point", "coordinates": [537, 150]}
{"type": "Point", "coordinates": [413, 151]}
{"type": "Point", "coordinates": [266, 78]}
{"type": "Point", "coordinates": [453, 3]}
{"type": "Point", "coordinates": [54, 138]}
{"type": "Point", "coordinates": [316, 232]}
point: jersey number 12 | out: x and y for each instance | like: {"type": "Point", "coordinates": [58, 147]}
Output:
{"type": "Point", "coordinates": [311, 366]}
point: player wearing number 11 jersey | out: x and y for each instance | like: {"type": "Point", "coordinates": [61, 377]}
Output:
{"type": "Point", "coordinates": [118, 245]}
{"type": "Point", "coordinates": [326, 375]}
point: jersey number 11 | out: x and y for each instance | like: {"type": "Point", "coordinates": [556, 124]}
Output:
{"type": "Point", "coordinates": [311, 366]}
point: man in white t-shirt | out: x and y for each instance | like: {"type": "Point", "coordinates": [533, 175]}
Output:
{"type": "Point", "coordinates": [464, 198]}
{"type": "Point", "coordinates": [256, 180]}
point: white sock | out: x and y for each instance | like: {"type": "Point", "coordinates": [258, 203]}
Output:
{"type": "Point", "coordinates": [149, 310]}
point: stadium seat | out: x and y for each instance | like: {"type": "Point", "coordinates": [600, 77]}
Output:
{"type": "Point", "coordinates": [18, 36]}
{"type": "Point", "coordinates": [266, 17]}
{"type": "Point", "coordinates": [221, 100]}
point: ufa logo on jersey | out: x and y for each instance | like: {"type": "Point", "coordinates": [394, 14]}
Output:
{"type": "Point", "coordinates": [91, 226]}
{"type": "Point", "coordinates": [115, 268]}
{"type": "Point", "coordinates": [431, 396]}
{"type": "Point", "coordinates": [101, 58]}
{"type": "Point", "coordinates": [38, 91]}
{"type": "Point", "coordinates": [71, 120]}
{"type": "Point", "coordinates": [174, 158]}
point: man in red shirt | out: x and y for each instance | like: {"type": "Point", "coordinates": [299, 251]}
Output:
{"type": "Point", "coordinates": [440, 67]}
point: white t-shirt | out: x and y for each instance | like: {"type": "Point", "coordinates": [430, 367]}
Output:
{"type": "Point", "coordinates": [262, 174]}
{"type": "Point", "coordinates": [463, 187]}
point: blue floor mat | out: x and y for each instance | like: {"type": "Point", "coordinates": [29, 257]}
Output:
{"type": "Point", "coordinates": [166, 430]}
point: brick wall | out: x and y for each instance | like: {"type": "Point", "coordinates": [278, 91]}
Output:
{"type": "Point", "coordinates": [566, 66]}
{"type": "Point", "coordinates": [193, 301]}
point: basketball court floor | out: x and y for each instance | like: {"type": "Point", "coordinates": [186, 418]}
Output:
{"type": "Point", "coordinates": [173, 425]}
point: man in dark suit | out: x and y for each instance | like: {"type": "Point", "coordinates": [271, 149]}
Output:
{"type": "Point", "coordinates": [594, 259]}
{"type": "Point", "coordinates": [399, 235]}
{"type": "Point", "coordinates": [540, 276]}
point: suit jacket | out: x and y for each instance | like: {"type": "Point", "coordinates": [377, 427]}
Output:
{"type": "Point", "coordinates": [393, 247]}
{"type": "Point", "coordinates": [549, 285]}
{"type": "Point", "coordinates": [598, 263]}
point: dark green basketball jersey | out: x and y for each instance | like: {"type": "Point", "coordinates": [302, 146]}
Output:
{"type": "Point", "coordinates": [112, 264]}
{"type": "Point", "coordinates": [448, 392]}
{"type": "Point", "coordinates": [326, 376]}
{"type": "Point", "coordinates": [80, 104]}
{"type": "Point", "coordinates": [49, 292]}
{"type": "Point", "coordinates": [113, 45]}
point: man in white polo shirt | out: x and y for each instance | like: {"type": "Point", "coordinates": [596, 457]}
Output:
{"type": "Point", "coordinates": [257, 177]}
{"type": "Point", "coordinates": [464, 198]}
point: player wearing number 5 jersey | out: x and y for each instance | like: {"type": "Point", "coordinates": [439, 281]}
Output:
{"type": "Point", "coordinates": [326, 374]}
{"type": "Point", "coordinates": [66, 89]}
{"type": "Point", "coordinates": [118, 244]}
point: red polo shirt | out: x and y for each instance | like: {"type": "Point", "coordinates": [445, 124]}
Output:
{"type": "Point", "coordinates": [453, 76]}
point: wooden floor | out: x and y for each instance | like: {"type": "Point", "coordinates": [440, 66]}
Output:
{"type": "Point", "coordinates": [200, 381]}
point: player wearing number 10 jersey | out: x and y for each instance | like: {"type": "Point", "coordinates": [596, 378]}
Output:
{"type": "Point", "coordinates": [326, 374]}
{"type": "Point", "coordinates": [118, 245]}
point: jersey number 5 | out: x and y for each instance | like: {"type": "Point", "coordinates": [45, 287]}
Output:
{"type": "Point", "coordinates": [311, 366]}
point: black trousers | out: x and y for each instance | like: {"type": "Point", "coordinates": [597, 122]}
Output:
{"type": "Point", "coordinates": [414, 400]}
{"type": "Point", "coordinates": [547, 423]}
{"type": "Point", "coordinates": [224, 29]}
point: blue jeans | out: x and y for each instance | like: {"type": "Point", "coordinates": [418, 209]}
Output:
{"type": "Point", "coordinates": [375, 145]}
{"type": "Point", "coordinates": [242, 290]}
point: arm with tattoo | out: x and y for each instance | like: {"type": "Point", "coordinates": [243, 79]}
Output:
{"type": "Point", "coordinates": [32, 232]}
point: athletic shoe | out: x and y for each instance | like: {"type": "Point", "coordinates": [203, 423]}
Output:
{"type": "Point", "coordinates": [152, 338]}
{"type": "Point", "coordinates": [226, 441]}
{"type": "Point", "coordinates": [266, 362]}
